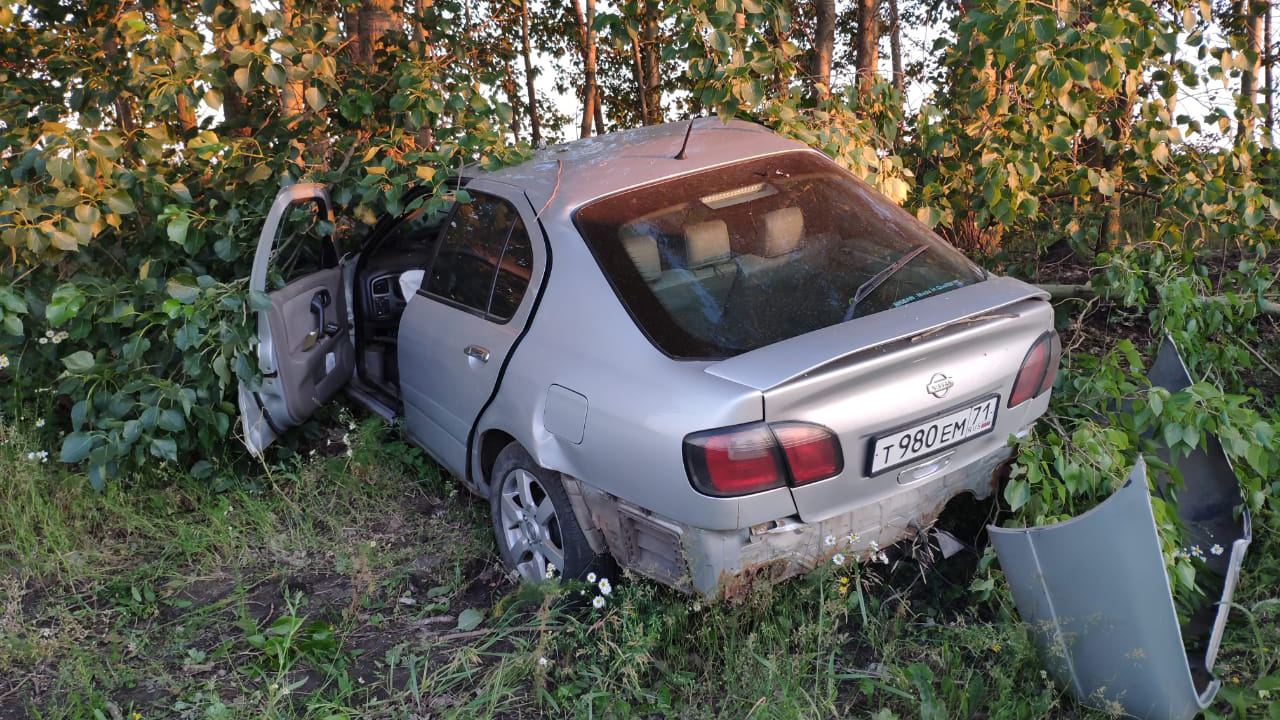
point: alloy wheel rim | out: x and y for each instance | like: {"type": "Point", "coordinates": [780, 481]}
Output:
{"type": "Point", "coordinates": [530, 526]}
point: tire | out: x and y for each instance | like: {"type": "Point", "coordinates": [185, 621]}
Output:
{"type": "Point", "coordinates": [533, 521]}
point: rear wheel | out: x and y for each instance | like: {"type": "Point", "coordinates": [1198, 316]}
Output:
{"type": "Point", "coordinates": [534, 525]}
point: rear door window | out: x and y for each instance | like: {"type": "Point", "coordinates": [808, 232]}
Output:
{"type": "Point", "coordinates": [484, 260]}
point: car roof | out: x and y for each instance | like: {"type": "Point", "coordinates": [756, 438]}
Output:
{"type": "Point", "coordinates": [559, 178]}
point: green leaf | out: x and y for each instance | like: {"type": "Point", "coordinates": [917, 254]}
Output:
{"type": "Point", "coordinates": [165, 448]}
{"type": "Point", "coordinates": [177, 229]}
{"type": "Point", "coordinates": [12, 324]}
{"type": "Point", "coordinates": [63, 241]}
{"type": "Point", "coordinates": [12, 301]}
{"type": "Point", "coordinates": [719, 41]}
{"type": "Point", "coordinates": [119, 202]}
{"type": "Point", "coordinates": [1017, 493]}
{"type": "Point", "coordinates": [470, 619]}
{"type": "Point", "coordinates": [79, 361]}
{"type": "Point", "coordinates": [76, 447]}
{"type": "Point", "coordinates": [315, 98]}
{"type": "Point", "coordinates": [182, 288]}
{"type": "Point", "coordinates": [274, 74]}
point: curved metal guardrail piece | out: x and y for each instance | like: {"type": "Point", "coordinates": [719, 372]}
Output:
{"type": "Point", "coordinates": [1095, 593]}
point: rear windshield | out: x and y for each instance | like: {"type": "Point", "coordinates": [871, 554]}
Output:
{"type": "Point", "coordinates": [719, 262]}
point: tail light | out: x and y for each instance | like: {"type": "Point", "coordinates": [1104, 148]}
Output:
{"type": "Point", "coordinates": [812, 452]}
{"type": "Point", "coordinates": [1038, 369]}
{"type": "Point", "coordinates": [751, 458]}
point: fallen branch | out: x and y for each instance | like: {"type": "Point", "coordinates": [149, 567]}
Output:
{"type": "Point", "coordinates": [1086, 292]}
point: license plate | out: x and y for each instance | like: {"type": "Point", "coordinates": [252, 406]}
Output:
{"type": "Point", "coordinates": [902, 446]}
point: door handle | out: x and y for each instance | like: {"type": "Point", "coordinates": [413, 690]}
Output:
{"type": "Point", "coordinates": [324, 326]}
{"type": "Point", "coordinates": [477, 352]}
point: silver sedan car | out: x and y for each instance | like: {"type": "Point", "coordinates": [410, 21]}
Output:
{"type": "Point", "coordinates": [699, 348]}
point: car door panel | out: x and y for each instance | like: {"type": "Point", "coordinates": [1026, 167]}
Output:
{"type": "Point", "coordinates": [451, 356]}
{"type": "Point", "coordinates": [312, 363]}
{"type": "Point", "coordinates": [304, 348]}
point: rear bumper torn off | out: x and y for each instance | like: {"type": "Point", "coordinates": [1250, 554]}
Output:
{"type": "Point", "coordinates": [726, 564]}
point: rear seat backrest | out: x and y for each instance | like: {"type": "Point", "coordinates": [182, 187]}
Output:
{"type": "Point", "coordinates": [706, 244]}
{"type": "Point", "coordinates": [782, 231]}
{"type": "Point", "coordinates": [779, 268]}
{"type": "Point", "coordinates": [643, 250]}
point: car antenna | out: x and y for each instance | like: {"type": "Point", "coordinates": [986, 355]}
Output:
{"type": "Point", "coordinates": [680, 155]}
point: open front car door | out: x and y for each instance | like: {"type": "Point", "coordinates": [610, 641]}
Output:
{"type": "Point", "coordinates": [304, 345]}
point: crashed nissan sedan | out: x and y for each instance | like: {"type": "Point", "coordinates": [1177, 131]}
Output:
{"type": "Point", "coordinates": [716, 365]}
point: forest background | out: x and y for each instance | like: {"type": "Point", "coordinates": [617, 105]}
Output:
{"type": "Point", "coordinates": [1120, 152]}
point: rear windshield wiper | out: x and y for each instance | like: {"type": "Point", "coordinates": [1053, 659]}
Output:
{"type": "Point", "coordinates": [878, 279]}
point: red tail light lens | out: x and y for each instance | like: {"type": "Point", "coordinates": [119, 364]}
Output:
{"type": "Point", "coordinates": [1033, 377]}
{"type": "Point", "coordinates": [1051, 371]}
{"type": "Point", "coordinates": [750, 458]}
{"type": "Point", "coordinates": [734, 461]}
{"type": "Point", "coordinates": [812, 451]}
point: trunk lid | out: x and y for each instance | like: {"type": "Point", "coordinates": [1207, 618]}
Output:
{"type": "Point", "coordinates": [874, 376]}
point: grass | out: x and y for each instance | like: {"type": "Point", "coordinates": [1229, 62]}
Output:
{"type": "Point", "coordinates": [334, 586]}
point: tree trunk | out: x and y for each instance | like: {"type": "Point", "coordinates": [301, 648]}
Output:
{"type": "Point", "coordinates": [868, 43]}
{"type": "Point", "coordinates": [373, 21]}
{"type": "Point", "coordinates": [234, 121]}
{"type": "Point", "coordinates": [1266, 67]}
{"type": "Point", "coordinates": [587, 38]}
{"type": "Point", "coordinates": [652, 59]}
{"type": "Point", "coordinates": [824, 41]}
{"type": "Point", "coordinates": [1251, 26]}
{"type": "Point", "coordinates": [186, 116]}
{"type": "Point", "coordinates": [895, 48]}
{"type": "Point", "coordinates": [426, 136]}
{"type": "Point", "coordinates": [291, 95]}
{"type": "Point", "coordinates": [535, 129]}
{"type": "Point", "coordinates": [637, 72]}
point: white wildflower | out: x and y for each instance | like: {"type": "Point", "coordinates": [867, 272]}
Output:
{"type": "Point", "coordinates": [837, 559]}
{"type": "Point", "coordinates": [591, 577]}
{"type": "Point", "coordinates": [1217, 549]}
{"type": "Point", "coordinates": [48, 333]}
{"type": "Point", "coordinates": [56, 339]}
{"type": "Point", "coordinates": [4, 362]}
{"type": "Point", "coordinates": [852, 538]}
{"type": "Point", "coordinates": [39, 422]}
{"type": "Point", "coordinates": [543, 661]}
{"type": "Point", "coordinates": [605, 587]}
{"type": "Point", "coordinates": [43, 340]}
{"type": "Point", "coordinates": [598, 602]}
{"type": "Point", "coordinates": [882, 558]}
{"type": "Point", "coordinates": [44, 456]}
{"type": "Point", "coordinates": [829, 540]}
{"type": "Point", "coordinates": [875, 545]}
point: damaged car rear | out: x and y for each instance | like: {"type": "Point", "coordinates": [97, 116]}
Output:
{"type": "Point", "coordinates": [712, 363]}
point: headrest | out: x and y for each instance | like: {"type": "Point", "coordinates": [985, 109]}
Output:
{"type": "Point", "coordinates": [782, 231]}
{"type": "Point", "coordinates": [706, 243]}
{"type": "Point", "coordinates": [643, 250]}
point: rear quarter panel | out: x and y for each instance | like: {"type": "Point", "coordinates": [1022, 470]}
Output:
{"type": "Point", "coordinates": [640, 403]}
